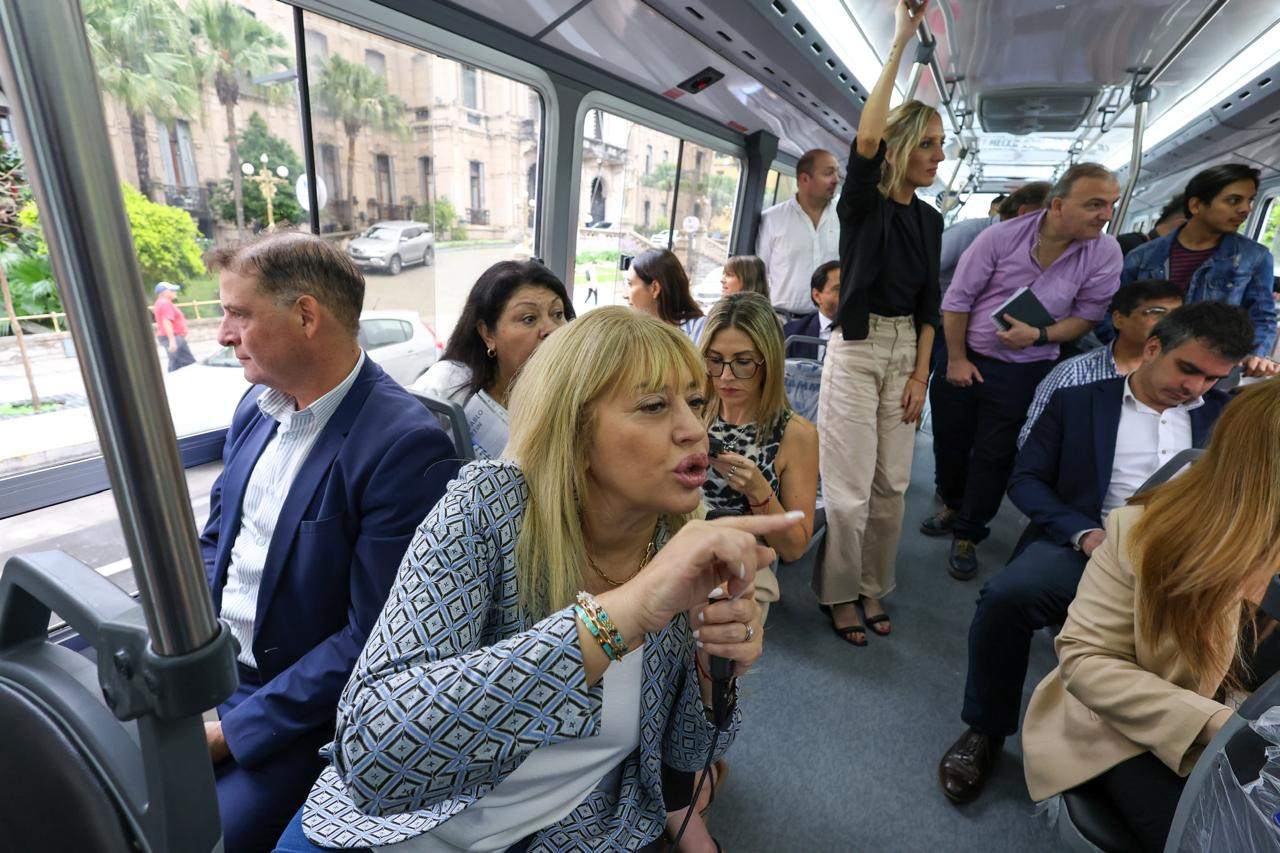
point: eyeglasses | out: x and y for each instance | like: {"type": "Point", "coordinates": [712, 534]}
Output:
{"type": "Point", "coordinates": [1154, 311]}
{"type": "Point", "coordinates": [742, 368]}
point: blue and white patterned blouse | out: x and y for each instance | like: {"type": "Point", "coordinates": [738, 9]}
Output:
{"type": "Point", "coordinates": [455, 688]}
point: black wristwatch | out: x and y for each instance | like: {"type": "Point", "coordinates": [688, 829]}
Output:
{"type": "Point", "coordinates": [1043, 337]}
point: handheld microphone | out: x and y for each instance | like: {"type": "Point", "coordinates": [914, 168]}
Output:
{"type": "Point", "coordinates": [721, 675]}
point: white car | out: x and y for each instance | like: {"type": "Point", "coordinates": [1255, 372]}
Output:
{"type": "Point", "coordinates": [203, 396]}
{"type": "Point", "coordinates": [706, 292]}
{"type": "Point", "coordinates": [392, 245]}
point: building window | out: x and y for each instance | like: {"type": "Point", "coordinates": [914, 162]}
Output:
{"type": "Point", "coordinates": [6, 129]}
{"type": "Point", "coordinates": [376, 61]}
{"type": "Point", "coordinates": [421, 113]}
{"type": "Point", "coordinates": [424, 179]}
{"type": "Point", "coordinates": [477, 185]}
{"type": "Point", "coordinates": [382, 172]}
{"type": "Point", "coordinates": [648, 164]}
{"type": "Point", "coordinates": [647, 212]}
{"type": "Point", "coordinates": [329, 170]}
{"type": "Point", "coordinates": [177, 155]}
{"type": "Point", "coordinates": [470, 90]}
{"type": "Point", "coordinates": [317, 45]}
{"type": "Point", "coordinates": [666, 155]}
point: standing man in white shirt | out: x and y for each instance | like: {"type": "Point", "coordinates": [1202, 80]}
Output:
{"type": "Point", "coordinates": [802, 233]}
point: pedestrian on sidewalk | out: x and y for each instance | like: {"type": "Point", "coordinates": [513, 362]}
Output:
{"type": "Point", "coordinates": [171, 326]}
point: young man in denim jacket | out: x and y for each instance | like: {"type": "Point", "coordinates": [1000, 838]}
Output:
{"type": "Point", "coordinates": [1212, 262]}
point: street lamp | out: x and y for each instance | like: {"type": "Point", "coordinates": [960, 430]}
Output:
{"type": "Point", "coordinates": [267, 182]}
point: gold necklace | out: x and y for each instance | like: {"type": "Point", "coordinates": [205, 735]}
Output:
{"type": "Point", "coordinates": [644, 561]}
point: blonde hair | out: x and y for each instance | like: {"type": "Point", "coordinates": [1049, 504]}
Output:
{"type": "Point", "coordinates": [752, 314]}
{"type": "Point", "coordinates": [553, 423]}
{"type": "Point", "coordinates": [750, 270]}
{"type": "Point", "coordinates": [906, 125]}
{"type": "Point", "coordinates": [1205, 533]}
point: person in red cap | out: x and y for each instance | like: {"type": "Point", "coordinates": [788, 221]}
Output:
{"type": "Point", "coordinates": [171, 326]}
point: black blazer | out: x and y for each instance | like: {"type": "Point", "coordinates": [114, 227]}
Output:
{"type": "Point", "coordinates": [864, 240]}
{"type": "Point", "coordinates": [807, 326]}
{"type": "Point", "coordinates": [1063, 471]}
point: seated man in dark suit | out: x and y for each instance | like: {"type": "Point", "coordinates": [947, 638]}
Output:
{"type": "Point", "coordinates": [329, 466]}
{"type": "Point", "coordinates": [824, 290]}
{"type": "Point", "coordinates": [1091, 449]}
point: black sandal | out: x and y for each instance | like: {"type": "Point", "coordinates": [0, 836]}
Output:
{"type": "Point", "coordinates": [872, 621]}
{"type": "Point", "coordinates": [847, 633]}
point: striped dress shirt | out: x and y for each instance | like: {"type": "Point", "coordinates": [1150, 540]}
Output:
{"type": "Point", "coordinates": [1092, 366]}
{"type": "Point", "coordinates": [264, 496]}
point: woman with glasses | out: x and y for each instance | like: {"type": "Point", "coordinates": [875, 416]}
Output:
{"type": "Point", "coordinates": [875, 375]}
{"type": "Point", "coordinates": [764, 461]}
{"type": "Point", "coordinates": [769, 461]}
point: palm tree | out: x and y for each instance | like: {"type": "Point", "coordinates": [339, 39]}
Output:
{"type": "Point", "coordinates": [357, 96]}
{"type": "Point", "coordinates": [139, 48]}
{"type": "Point", "coordinates": [234, 46]}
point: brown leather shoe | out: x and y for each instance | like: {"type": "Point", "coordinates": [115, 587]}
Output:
{"type": "Point", "coordinates": [967, 764]}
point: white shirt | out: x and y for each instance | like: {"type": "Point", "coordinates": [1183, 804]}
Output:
{"type": "Point", "coordinates": [489, 422]}
{"type": "Point", "coordinates": [1145, 440]}
{"type": "Point", "coordinates": [551, 782]}
{"type": "Point", "coordinates": [824, 326]}
{"type": "Point", "coordinates": [264, 495]}
{"type": "Point", "coordinates": [792, 249]}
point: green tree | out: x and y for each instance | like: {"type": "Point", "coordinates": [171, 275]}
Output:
{"type": "Point", "coordinates": [357, 97]}
{"type": "Point", "coordinates": [165, 238]}
{"type": "Point", "coordinates": [663, 177]}
{"type": "Point", "coordinates": [140, 50]}
{"type": "Point", "coordinates": [255, 141]}
{"type": "Point", "coordinates": [232, 45]}
{"type": "Point", "coordinates": [443, 217]}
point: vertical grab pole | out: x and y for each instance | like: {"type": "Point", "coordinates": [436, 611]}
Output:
{"type": "Point", "coordinates": [47, 71]}
{"type": "Point", "coordinates": [1142, 96]}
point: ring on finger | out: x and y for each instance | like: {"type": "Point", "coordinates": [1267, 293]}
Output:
{"type": "Point", "coordinates": [733, 471]}
{"type": "Point", "coordinates": [751, 633]}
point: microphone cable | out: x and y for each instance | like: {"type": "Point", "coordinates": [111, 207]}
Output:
{"type": "Point", "coordinates": [721, 713]}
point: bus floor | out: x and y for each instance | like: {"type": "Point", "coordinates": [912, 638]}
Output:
{"type": "Point", "coordinates": [839, 747]}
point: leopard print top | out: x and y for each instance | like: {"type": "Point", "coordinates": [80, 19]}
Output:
{"type": "Point", "coordinates": [717, 494]}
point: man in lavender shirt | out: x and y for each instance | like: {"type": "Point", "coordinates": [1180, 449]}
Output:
{"type": "Point", "coordinates": [979, 397]}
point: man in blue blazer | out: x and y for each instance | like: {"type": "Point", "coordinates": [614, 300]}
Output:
{"type": "Point", "coordinates": [329, 466]}
{"type": "Point", "coordinates": [824, 290]}
{"type": "Point", "coordinates": [1091, 449]}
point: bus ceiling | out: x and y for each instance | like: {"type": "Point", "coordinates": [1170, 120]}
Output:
{"type": "Point", "coordinates": [1026, 88]}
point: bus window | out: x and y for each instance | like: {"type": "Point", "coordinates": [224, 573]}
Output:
{"type": "Point", "coordinates": [770, 190]}
{"type": "Point", "coordinates": [429, 167]}
{"type": "Point", "coordinates": [625, 204]}
{"type": "Point", "coordinates": [705, 209]}
{"type": "Point", "coordinates": [203, 162]}
{"type": "Point", "coordinates": [1269, 236]}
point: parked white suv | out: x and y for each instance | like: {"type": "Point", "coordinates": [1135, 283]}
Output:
{"type": "Point", "coordinates": [393, 244]}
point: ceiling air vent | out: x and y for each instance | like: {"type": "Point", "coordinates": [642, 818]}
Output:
{"type": "Point", "coordinates": [1035, 110]}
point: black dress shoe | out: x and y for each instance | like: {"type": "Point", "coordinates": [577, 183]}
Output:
{"type": "Point", "coordinates": [963, 562]}
{"type": "Point", "coordinates": [967, 764]}
{"type": "Point", "coordinates": [940, 523]}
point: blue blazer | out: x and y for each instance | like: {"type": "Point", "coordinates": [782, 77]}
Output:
{"type": "Point", "coordinates": [1063, 471]}
{"type": "Point", "coordinates": [803, 326]}
{"type": "Point", "coordinates": [374, 473]}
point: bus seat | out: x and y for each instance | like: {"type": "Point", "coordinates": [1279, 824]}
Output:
{"type": "Point", "coordinates": [1090, 822]}
{"type": "Point", "coordinates": [453, 419]}
{"type": "Point", "coordinates": [35, 806]}
{"type": "Point", "coordinates": [802, 381]}
{"type": "Point", "coordinates": [108, 752]}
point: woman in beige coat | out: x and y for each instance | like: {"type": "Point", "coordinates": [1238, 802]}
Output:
{"type": "Point", "coordinates": [1150, 650]}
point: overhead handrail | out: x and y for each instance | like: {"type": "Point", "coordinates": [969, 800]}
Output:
{"type": "Point", "coordinates": [48, 74]}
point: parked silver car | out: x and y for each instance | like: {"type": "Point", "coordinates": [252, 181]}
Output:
{"type": "Point", "coordinates": [393, 244]}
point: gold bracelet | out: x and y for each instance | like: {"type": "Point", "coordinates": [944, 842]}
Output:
{"type": "Point", "coordinates": [601, 626]}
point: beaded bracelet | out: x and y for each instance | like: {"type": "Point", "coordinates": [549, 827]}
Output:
{"type": "Point", "coordinates": [597, 621]}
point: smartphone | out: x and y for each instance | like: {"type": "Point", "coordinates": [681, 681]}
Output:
{"type": "Point", "coordinates": [717, 446]}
